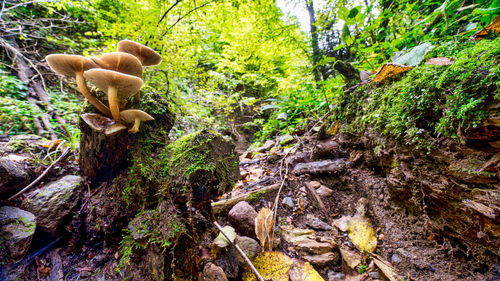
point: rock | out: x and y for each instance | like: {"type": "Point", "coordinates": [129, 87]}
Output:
{"type": "Point", "coordinates": [313, 246]}
{"type": "Point", "coordinates": [335, 276]}
{"type": "Point", "coordinates": [288, 202]}
{"type": "Point", "coordinates": [286, 139]}
{"type": "Point", "coordinates": [16, 231]}
{"type": "Point", "coordinates": [395, 258]}
{"type": "Point", "coordinates": [374, 275]}
{"type": "Point", "coordinates": [325, 149]}
{"type": "Point", "coordinates": [316, 223]}
{"type": "Point", "coordinates": [323, 259]}
{"type": "Point", "coordinates": [266, 146]}
{"type": "Point", "coordinates": [324, 191]}
{"type": "Point", "coordinates": [211, 272]}
{"type": "Point", "coordinates": [342, 222]}
{"type": "Point", "coordinates": [249, 246]}
{"type": "Point", "coordinates": [315, 184]}
{"type": "Point", "coordinates": [54, 201]}
{"type": "Point", "coordinates": [242, 217]}
{"type": "Point", "coordinates": [402, 252]}
{"type": "Point", "coordinates": [320, 167]}
{"type": "Point", "coordinates": [12, 176]}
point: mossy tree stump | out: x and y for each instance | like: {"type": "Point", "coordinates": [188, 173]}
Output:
{"type": "Point", "coordinates": [103, 157]}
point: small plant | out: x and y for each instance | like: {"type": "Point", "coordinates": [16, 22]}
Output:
{"type": "Point", "coordinates": [361, 268]}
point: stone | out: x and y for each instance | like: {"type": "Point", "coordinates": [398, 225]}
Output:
{"type": "Point", "coordinates": [395, 258]}
{"type": "Point", "coordinates": [286, 139]}
{"type": "Point", "coordinates": [335, 276]}
{"type": "Point", "coordinates": [324, 191]}
{"type": "Point", "coordinates": [288, 202]}
{"type": "Point", "coordinates": [315, 184]}
{"type": "Point", "coordinates": [54, 201]}
{"type": "Point", "coordinates": [320, 167]}
{"type": "Point", "coordinates": [249, 246]}
{"type": "Point", "coordinates": [242, 217]}
{"type": "Point", "coordinates": [374, 275]}
{"type": "Point", "coordinates": [211, 272]}
{"type": "Point", "coordinates": [316, 223]}
{"type": "Point", "coordinates": [323, 259]}
{"type": "Point", "coordinates": [12, 176]}
{"type": "Point", "coordinates": [313, 247]}
{"type": "Point", "coordinates": [16, 231]}
{"type": "Point", "coordinates": [266, 146]}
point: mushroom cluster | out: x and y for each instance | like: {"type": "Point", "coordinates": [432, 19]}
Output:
{"type": "Point", "coordinates": [119, 75]}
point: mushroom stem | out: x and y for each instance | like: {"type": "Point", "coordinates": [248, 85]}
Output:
{"type": "Point", "coordinates": [82, 86]}
{"type": "Point", "coordinates": [135, 128]}
{"type": "Point", "coordinates": [113, 103]}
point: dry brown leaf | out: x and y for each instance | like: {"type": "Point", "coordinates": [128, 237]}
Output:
{"type": "Point", "coordinates": [264, 227]}
{"type": "Point", "coordinates": [390, 69]}
{"type": "Point", "coordinates": [439, 61]}
{"type": "Point", "coordinates": [387, 269]}
{"type": "Point", "coordinates": [494, 26]}
{"type": "Point", "coordinates": [351, 258]}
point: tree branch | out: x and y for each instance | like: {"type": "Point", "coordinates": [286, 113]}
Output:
{"type": "Point", "coordinates": [185, 15]}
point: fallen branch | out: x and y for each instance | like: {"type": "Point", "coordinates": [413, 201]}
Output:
{"type": "Point", "coordinates": [242, 254]}
{"type": "Point", "coordinates": [65, 153]}
{"type": "Point", "coordinates": [219, 206]}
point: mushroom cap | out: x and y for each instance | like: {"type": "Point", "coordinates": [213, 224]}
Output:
{"type": "Point", "coordinates": [127, 85]}
{"type": "Point", "coordinates": [96, 121]}
{"type": "Point", "coordinates": [69, 65]}
{"type": "Point", "coordinates": [148, 56]}
{"type": "Point", "coordinates": [129, 115]}
{"type": "Point", "coordinates": [121, 62]}
{"type": "Point", "coordinates": [115, 129]}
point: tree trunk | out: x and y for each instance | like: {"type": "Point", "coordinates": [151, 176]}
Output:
{"type": "Point", "coordinates": [316, 56]}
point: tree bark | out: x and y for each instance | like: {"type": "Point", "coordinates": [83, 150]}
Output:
{"type": "Point", "coordinates": [316, 56]}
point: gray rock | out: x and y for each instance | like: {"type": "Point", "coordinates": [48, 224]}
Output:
{"type": "Point", "coordinates": [335, 276]}
{"type": "Point", "coordinates": [54, 201]}
{"type": "Point", "coordinates": [320, 167]}
{"type": "Point", "coordinates": [316, 223]}
{"type": "Point", "coordinates": [313, 246]}
{"type": "Point", "coordinates": [395, 258]}
{"type": "Point", "coordinates": [211, 272]}
{"type": "Point", "coordinates": [288, 202]}
{"type": "Point", "coordinates": [249, 246]}
{"type": "Point", "coordinates": [12, 176]}
{"type": "Point", "coordinates": [242, 217]}
{"type": "Point", "coordinates": [266, 146]}
{"type": "Point", "coordinates": [323, 259]}
{"type": "Point", "coordinates": [402, 252]}
{"type": "Point", "coordinates": [374, 275]}
{"type": "Point", "coordinates": [286, 139]}
{"type": "Point", "coordinates": [16, 231]}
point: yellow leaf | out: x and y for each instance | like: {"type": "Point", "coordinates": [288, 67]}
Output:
{"type": "Point", "coordinates": [333, 128]}
{"type": "Point", "coordinates": [390, 69]}
{"type": "Point", "coordinates": [304, 271]}
{"type": "Point", "coordinates": [264, 227]}
{"type": "Point", "coordinates": [270, 265]}
{"type": "Point", "coordinates": [362, 234]}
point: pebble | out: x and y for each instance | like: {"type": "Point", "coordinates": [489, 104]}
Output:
{"type": "Point", "coordinates": [335, 276]}
{"type": "Point", "coordinates": [288, 201]}
{"type": "Point", "coordinates": [395, 258]}
{"type": "Point", "coordinates": [374, 275]}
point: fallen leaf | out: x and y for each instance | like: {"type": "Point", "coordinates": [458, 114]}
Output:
{"type": "Point", "coordinates": [304, 271]}
{"type": "Point", "coordinates": [390, 69]}
{"type": "Point", "coordinates": [414, 56]}
{"type": "Point", "coordinates": [52, 144]}
{"type": "Point", "coordinates": [351, 258]}
{"type": "Point", "coordinates": [494, 26]}
{"type": "Point", "coordinates": [387, 269]}
{"type": "Point", "coordinates": [221, 240]}
{"type": "Point", "coordinates": [292, 234]}
{"type": "Point", "coordinates": [362, 234]}
{"type": "Point", "coordinates": [264, 227]}
{"type": "Point", "coordinates": [333, 128]}
{"type": "Point", "coordinates": [365, 75]}
{"type": "Point", "coordinates": [439, 61]}
{"type": "Point", "coordinates": [270, 265]}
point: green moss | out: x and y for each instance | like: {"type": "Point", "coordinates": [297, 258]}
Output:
{"type": "Point", "coordinates": [428, 100]}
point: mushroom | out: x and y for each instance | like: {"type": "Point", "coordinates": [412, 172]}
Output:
{"type": "Point", "coordinates": [117, 85]}
{"type": "Point", "coordinates": [121, 62]}
{"type": "Point", "coordinates": [115, 129]}
{"type": "Point", "coordinates": [135, 116]}
{"type": "Point", "coordinates": [146, 55]}
{"type": "Point", "coordinates": [74, 66]}
{"type": "Point", "coordinates": [96, 121]}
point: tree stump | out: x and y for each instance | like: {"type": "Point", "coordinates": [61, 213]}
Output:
{"type": "Point", "coordinates": [103, 157]}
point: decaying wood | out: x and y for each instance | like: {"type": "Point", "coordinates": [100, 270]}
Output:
{"type": "Point", "coordinates": [320, 167]}
{"type": "Point", "coordinates": [219, 206]}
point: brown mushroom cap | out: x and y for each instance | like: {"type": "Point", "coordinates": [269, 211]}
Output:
{"type": "Point", "coordinates": [129, 115]}
{"type": "Point", "coordinates": [115, 129]}
{"type": "Point", "coordinates": [69, 65]}
{"type": "Point", "coordinates": [96, 121]}
{"type": "Point", "coordinates": [127, 85]}
{"type": "Point", "coordinates": [146, 55]}
{"type": "Point", "coordinates": [121, 62]}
